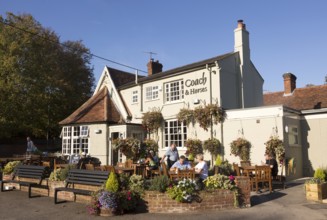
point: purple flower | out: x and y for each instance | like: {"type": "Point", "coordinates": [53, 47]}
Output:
{"type": "Point", "coordinates": [231, 178]}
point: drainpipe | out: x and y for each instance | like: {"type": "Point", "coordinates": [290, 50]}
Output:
{"type": "Point", "coordinates": [210, 96]}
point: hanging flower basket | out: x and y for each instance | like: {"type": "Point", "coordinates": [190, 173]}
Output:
{"type": "Point", "coordinates": [149, 144]}
{"type": "Point", "coordinates": [186, 115]}
{"type": "Point", "coordinates": [241, 148]}
{"type": "Point", "coordinates": [152, 120]}
{"type": "Point", "coordinates": [194, 146]}
{"type": "Point", "coordinates": [205, 115]}
{"type": "Point", "coordinates": [275, 147]}
{"type": "Point", "coordinates": [129, 147]}
{"type": "Point", "coordinates": [213, 146]}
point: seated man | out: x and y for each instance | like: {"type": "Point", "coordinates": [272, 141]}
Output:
{"type": "Point", "coordinates": [181, 164]}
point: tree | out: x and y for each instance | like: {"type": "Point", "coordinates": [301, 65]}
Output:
{"type": "Point", "coordinates": [42, 80]}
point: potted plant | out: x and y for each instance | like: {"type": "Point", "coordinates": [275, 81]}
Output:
{"type": "Point", "coordinates": [241, 148]}
{"type": "Point", "coordinates": [316, 187]}
{"type": "Point", "coordinates": [108, 203]}
{"type": "Point", "coordinates": [108, 197]}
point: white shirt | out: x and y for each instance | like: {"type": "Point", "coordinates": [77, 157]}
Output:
{"type": "Point", "coordinates": [204, 169]}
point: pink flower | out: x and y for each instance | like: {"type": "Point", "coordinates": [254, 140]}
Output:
{"type": "Point", "coordinates": [231, 178]}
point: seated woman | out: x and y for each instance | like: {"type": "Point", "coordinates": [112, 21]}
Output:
{"type": "Point", "coordinates": [150, 161]}
{"type": "Point", "coordinates": [201, 167]}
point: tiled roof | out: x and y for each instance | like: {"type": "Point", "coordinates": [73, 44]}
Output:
{"type": "Point", "coordinates": [313, 97]}
{"type": "Point", "coordinates": [99, 108]}
{"type": "Point", "coordinates": [178, 70]}
{"type": "Point", "coordinates": [120, 77]}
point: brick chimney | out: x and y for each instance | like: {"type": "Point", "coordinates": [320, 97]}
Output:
{"type": "Point", "coordinates": [154, 67]}
{"type": "Point", "coordinates": [289, 83]}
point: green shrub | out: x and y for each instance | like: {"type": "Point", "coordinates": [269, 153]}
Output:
{"type": "Point", "coordinates": [112, 184]}
{"type": "Point", "coordinates": [159, 183]}
{"type": "Point", "coordinates": [123, 179]}
{"type": "Point", "coordinates": [55, 175]}
{"type": "Point", "coordinates": [219, 181]}
{"type": "Point", "coordinates": [218, 160]}
{"type": "Point", "coordinates": [60, 174]}
{"type": "Point", "coordinates": [127, 200]}
{"type": "Point", "coordinates": [226, 168]}
{"type": "Point", "coordinates": [10, 166]}
{"type": "Point", "coordinates": [64, 172]}
{"type": "Point", "coordinates": [320, 174]}
{"type": "Point", "coordinates": [184, 191]}
{"type": "Point", "coordinates": [136, 183]}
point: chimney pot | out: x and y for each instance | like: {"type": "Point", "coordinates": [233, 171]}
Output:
{"type": "Point", "coordinates": [154, 67]}
{"type": "Point", "coordinates": [240, 24]}
{"type": "Point", "coordinates": [289, 83]}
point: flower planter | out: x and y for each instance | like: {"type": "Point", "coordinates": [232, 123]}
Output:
{"type": "Point", "coordinates": [107, 212]}
{"type": "Point", "coordinates": [316, 192]}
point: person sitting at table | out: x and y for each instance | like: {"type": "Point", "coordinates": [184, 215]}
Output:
{"type": "Point", "coordinates": [201, 167]}
{"type": "Point", "coordinates": [271, 161]}
{"type": "Point", "coordinates": [181, 164]}
{"type": "Point", "coordinates": [154, 156]}
{"type": "Point", "coordinates": [152, 165]}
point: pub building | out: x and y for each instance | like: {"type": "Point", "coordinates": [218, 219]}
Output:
{"type": "Point", "coordinates": [120, 99]}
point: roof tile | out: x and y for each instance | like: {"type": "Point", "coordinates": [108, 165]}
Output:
{"type": "Point", "coordinates": [313, 97]}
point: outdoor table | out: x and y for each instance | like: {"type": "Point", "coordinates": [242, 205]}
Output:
{"type": "Point", "coordinates": [174, 175]}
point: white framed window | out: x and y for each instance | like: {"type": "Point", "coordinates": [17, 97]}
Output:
{"type": "Point", "coordinates": [293, 135]}
{"type": "Point", "coordinates": [151, 93]}
{"type": "Point", "coordinates": [135, 96]}
{"type": "Point", "coordinates": [84, 131]}
{"type": "Point", "coordinates": [66, 146]}
{"type": "Point", "coordinates": [175, 131]}
{"type": "Point", "coordinates": [75, 139]}
{"type": "Point", "coordinates": [174, 91]}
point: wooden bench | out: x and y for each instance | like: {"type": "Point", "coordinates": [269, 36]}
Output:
{"type": "Point", "coordinates": [83, 177]}
{"type": "Point", "coordinates": [29, 173]}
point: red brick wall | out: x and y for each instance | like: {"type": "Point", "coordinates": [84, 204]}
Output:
{"type": "Point", "coordinates": [159, 202]}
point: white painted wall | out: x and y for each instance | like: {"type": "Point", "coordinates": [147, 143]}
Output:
{"type": "Point", "coordinates": [314, 142]}
{"type": "Point", "coordinates": [98, 143]}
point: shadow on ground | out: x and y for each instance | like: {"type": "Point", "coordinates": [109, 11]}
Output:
{"type": "Point", "coordinates": [260, 198]}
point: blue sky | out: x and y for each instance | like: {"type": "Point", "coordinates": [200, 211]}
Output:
{"type": "Point", "coordinates": [285, 35]}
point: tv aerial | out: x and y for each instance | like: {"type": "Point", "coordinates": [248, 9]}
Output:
{"type": "Point", "coordinates": [150, 54]}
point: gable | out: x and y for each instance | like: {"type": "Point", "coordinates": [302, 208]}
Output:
{"type": "Point", "coordinates": [99, 108]}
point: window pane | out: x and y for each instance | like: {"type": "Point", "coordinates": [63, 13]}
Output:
{"type": "Point", "coordinates": [175, 132]}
